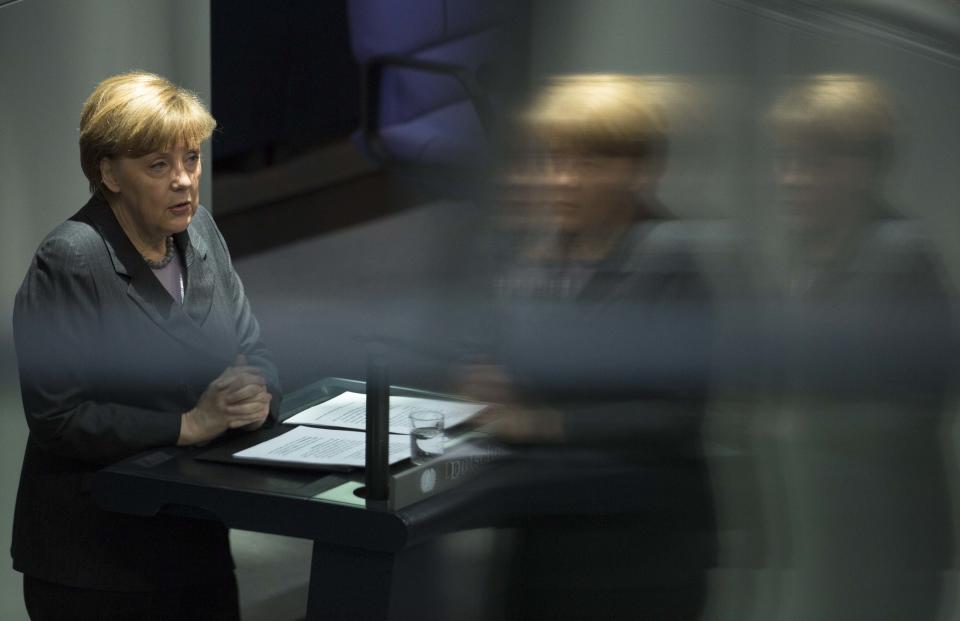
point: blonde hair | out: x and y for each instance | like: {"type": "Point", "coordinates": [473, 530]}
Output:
{"type": "Point", "coordinates": [846, 113]}
{"type": "Point", "coordinates": [136, 113]}
{"type": "Point", "coordinates": [608, 114]}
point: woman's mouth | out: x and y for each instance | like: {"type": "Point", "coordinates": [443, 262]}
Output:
{"type": "Point", "coordinates": [181, 209]}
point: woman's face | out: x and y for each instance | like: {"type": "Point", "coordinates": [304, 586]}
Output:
{"type": "Point", "coordinates": [579, 192]}
{"type": "Point", "coordinates": [819, 188]}
{"type": "Point", "coordinates": [159, 191]}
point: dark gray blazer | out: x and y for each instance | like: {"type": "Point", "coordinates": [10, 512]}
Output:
{"type": "Point", "coordinates": [108, 363]}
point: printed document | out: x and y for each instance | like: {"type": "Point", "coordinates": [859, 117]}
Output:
{"type": "Point", "coordinates": [349, 411]}
{"type": "Point", "coordinates": [321, 447]}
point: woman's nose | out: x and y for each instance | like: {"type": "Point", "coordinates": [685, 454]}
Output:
{"type": "Point", "coordinates": [794, 171]}
{"type": "Point", "coordinates": [182, 178]}
{"type": "Point", "coordinates": [567, 178]}
{"type": "Point", "coordinates": [564, 176]}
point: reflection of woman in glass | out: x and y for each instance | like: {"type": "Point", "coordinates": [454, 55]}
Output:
{"type": "Point", "coordinates": [833, 137]}
{"type": "Point", "coordinates": [603, 340]}
{"type": "Point", "coordinates": [855, 430]}
{"type": "Point", "coordinates": [598, 150]}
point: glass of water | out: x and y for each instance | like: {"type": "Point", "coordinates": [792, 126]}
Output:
{"type": "Point", "coordinates": [426, 436]}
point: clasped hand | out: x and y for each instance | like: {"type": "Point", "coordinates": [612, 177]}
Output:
{"type": "Point", "coordinates": [238, 398]}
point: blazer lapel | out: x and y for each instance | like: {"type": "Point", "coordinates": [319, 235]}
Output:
{"type": "Point", "coordinates": [182, 323]}
{"type": "Point", "coordinates": [198, 286]}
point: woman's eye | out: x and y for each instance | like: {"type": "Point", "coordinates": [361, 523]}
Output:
{"type": "Point", "coordinates": [158, 166]}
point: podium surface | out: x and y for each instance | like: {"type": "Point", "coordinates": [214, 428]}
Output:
{"type": "Point", "coordinates": [366, 559]}
{"type": "Point", "coordinates": [358, 550]}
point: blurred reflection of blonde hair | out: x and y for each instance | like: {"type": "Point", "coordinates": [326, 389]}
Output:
{"type": "Point", "coordinates": [603, 114]}
{"type": "Point", "coordinates": [844, 113]}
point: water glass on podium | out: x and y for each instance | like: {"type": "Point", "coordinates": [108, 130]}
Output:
{"type": "Point", "coordinates": [426, 436]}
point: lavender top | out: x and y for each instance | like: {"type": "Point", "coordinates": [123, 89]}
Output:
{"type": "Point", "coordinates": [171, 276]}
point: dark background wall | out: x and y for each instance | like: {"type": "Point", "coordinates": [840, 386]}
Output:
{"type": "Point", "coordinates": [283, 80]}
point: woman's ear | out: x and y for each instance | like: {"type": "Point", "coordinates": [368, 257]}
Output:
{"type": "Point", "coordinates": [108, 175]}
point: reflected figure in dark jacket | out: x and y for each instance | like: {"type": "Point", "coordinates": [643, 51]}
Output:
{"type": "Point", "coordinates": [602, 350]}
{"type": "Point", "coordinates": [850, 435]}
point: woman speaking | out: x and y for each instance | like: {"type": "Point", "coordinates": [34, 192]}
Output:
{"type": "Point", "coordinates": [132, 332]}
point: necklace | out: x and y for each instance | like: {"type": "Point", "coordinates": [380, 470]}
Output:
{"type": "Point", "coordinates": [166, 258]}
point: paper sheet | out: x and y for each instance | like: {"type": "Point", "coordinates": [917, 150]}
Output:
{"type": "Point", "coordinates": [349, 411]}
{"type": "Point", "coordinates": [318, 446]}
